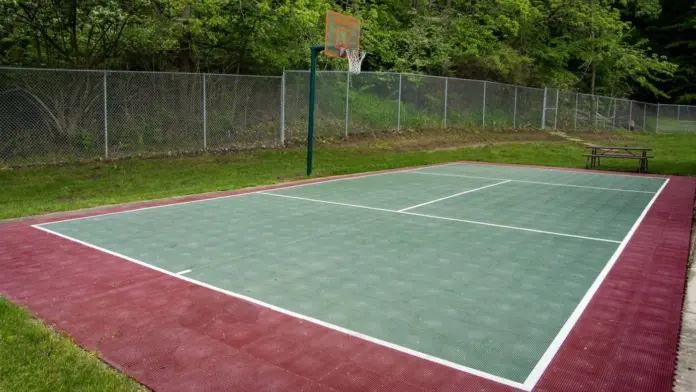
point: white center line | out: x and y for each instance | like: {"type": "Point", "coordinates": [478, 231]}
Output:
{"type": "Point", "coordinates": [449, 197]}
{"type": "Point", "coordinates": [525, 182]}
{"type": "Point", "coordinates": [441, 218]}
{"type": "Point", "coordinates": [184, 272]}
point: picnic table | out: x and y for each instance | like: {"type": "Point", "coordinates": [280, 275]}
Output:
{"type": "Point", "coordinates": [593, 159]}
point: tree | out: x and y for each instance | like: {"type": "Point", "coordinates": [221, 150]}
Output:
{"type": "Point", "coordinates": [67, 33]}
{"type": "Point", "coordinates": [673, 34]}
{"type": "Point", "coordinates": [600, 46]}
{"type": "Point", "coordinates": [585, 45]}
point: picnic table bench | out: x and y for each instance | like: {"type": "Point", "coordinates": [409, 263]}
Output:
{"type": "Point", "coordinates": [593, 159]}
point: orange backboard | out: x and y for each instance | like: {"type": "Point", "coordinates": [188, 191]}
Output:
{"type": "Point", "coordinates": [342, 32]}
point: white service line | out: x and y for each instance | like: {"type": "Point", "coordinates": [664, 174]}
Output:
{"type": "Point", "coordinates": [511, 227]}
{"type": "Point", "coordinates": [441, 217]}
{"type": "Point", "coordinates": [449, 197]}
{"type": "Point", "coordinates": [527, 182]}
{"type": "Point", "coordinates": [184, 272]}
{"type": "Point", "coordinates": [356, 334]}
{"type": "Point", "coordinates": [551, 351]}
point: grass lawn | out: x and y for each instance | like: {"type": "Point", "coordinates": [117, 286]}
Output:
{"type": "Point", "coordinates": [35, 358]}
{"type": "Point", "coordinates": [37, 190]}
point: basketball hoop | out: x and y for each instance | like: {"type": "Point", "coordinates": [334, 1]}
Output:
{"type": "Point", "coordinates": [342, 39]}
{"type": "Point", "coordinates": [355, 58]}
{"type": "Point", "coordinates": [342, 32]}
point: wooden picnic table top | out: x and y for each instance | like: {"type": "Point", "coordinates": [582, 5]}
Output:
{"type": "Point", "coordinates": [619, 148]}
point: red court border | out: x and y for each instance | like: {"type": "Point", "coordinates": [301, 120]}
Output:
{"type": "Point", "coordinates": [173, 335]}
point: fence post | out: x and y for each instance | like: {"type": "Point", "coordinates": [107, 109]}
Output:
{"type": "Point", "coordinates": [575, 119]}
{"type": "Point", "coordinates": [543, 112]}
{"type": "Point", "coordinates": [347, 99]}
{"type": "Point", "coordinates": [514, 112]}
{"type": "Point", "coordinates": [282, 109]}
{"type": "Point", "coordinates": [613, 117]}
{"type": "Point", "coordinates": [630, 115]}
{"type": "Point", "coordinates": [205, 118]}
{"type": "Point", "coordinates": [645, 117]}
{"type": "Point", "coordinates": [594, 107]}
{"type": "Point", "coordinates": [446, 85]}
{"type": "Point", "coordinates": [398, 116]}
{"type": "Point", "coordinates": [106, 121]}
{"type": "Point", "coordinates": [555, 120]}
{"type": "Point", "coordinates": [484, 105]}
{"type": "Point", "coordinates": [657, 119]}
{"type": "Point", "coordinates": [678, 112]}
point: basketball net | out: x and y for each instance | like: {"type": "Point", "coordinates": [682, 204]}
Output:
{"type": "Point", "coordinates": [355, 58]}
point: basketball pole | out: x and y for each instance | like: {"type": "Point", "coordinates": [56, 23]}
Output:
{"type": "Point", "coordinates": [310, 127]}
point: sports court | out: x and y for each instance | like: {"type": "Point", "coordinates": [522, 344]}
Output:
{"type": "Point", "coordinates": [480, 268]}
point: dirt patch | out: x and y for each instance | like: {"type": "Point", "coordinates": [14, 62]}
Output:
{"type": "Point", "coordinates": [437, 140]}
{"type": "Point", "coordinates": [614, 138]}
{"type": "Point", "coordinates": [396, 140]}
{"type": "Point", "coordinates": [488, 144]}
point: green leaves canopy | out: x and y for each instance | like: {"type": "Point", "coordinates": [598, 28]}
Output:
{"type": "Point", "coordinates": [562, 43]}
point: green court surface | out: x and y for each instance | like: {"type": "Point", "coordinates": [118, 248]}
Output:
{"type": "Point", "coordinates": [478, 267]}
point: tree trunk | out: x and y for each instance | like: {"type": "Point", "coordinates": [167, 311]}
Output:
{"type": "Point", "coordinates": [72, 20]}
{"type": "Point", "coordinates": [594, 77]}
{"type": "Point", "coordinates": [593, 64]}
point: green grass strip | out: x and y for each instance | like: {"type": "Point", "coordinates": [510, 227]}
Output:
{"type": "Point", "coordinates": [38, 190]}
{"type": "Point", "coordinates": [35, 358]}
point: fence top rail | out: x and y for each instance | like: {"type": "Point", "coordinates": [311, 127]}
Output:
{"type": "Point", "coordinates": [7, 68]}
{"type": "Point", "coordinates": [103, 71]}
{"type": "Point", "coordinates": [531, 88]}
{"type": "Point", "coordinates": [423, 75]}
{"type": "Point", "coordinates": [504, 84]}
{"type": "Point", "coordinates": [678, 105]}
{"type": "Point", "coordinates": [588, 95]}
{"type": "Point", "coordinates": [324, 71]}
{"type": "Point", "coordinates": [242, 75]}
{"type": "Point", "coordinates": [187, 73]}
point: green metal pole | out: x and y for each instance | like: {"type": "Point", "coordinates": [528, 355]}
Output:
{"type": "Point", "coordinates": [310, 128]}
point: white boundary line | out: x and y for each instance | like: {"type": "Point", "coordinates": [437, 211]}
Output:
{"type": "Point", "coordinates": [528, 182]}
{"type": "Point", "coordinates": [184, 272]}
{"type": "Point", "coordinates": [440, 217]}
{"type": "Point", "coordinates": [563, 170]}
{"type": "Point", "coordinates": [281, 186]}
{"type": "Point", "coordinates": [550, 353]}
{"type": "Point", "coordinates": [449, 197]}
{"type": "Point", "coordinates": [538, 370]}
{"type": "Point", "coordinates": [301, 316]}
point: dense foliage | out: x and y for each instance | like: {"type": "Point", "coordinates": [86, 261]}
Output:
{"type": "Point", "coordinates": [613, 47]}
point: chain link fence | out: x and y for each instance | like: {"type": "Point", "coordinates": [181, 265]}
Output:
{"type": "Point", "coordinates": [465, 103]}
{"type": "Point", "coordinates": [58, 115]}
{"type": "Point", "coordinates": [47, 115]}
